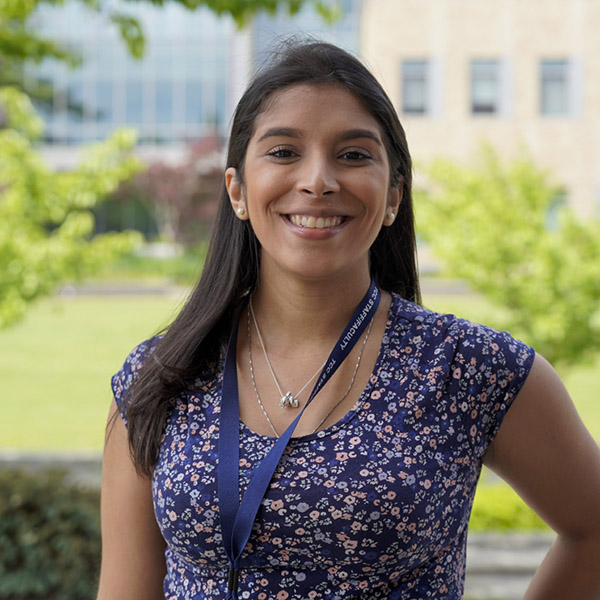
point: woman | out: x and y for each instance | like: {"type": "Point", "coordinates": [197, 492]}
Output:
{"type": "Point", "coordinates": [314, 249]}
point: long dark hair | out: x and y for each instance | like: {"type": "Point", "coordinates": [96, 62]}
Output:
{"type": "Point", "coordinates": [191, 346]}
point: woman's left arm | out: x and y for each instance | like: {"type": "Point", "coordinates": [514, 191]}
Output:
{"type": "Point", "coordinates": [546, 454]}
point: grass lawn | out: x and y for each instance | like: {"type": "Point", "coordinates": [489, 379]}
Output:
{"type": "Point", "coordinates": [55, 367]}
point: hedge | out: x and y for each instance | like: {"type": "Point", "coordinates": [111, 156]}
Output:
{"type": "Point", "coordinates": [498, 508]}
{"type": "Point", "coordinates": [49, 537]}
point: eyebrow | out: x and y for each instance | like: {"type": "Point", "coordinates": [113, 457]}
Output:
{"type": "Point", "coordinates": [353, 134]}
{"type": "Point", "coordinates": [350, 134]}
{"type": "Point", "coordinates": [280, 132]}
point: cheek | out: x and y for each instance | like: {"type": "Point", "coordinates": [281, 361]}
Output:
{"type": "Point", "coordinates": [369, 183]}
{"type": "Point", "coordinates": [265, 188]}
{"type": "Point", "coordinates": [374, 195]}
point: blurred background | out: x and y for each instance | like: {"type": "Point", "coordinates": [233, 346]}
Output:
{"type": "Point", "coordinates": [114, 116]}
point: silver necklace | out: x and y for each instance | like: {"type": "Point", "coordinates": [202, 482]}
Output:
{"type": "Point", "coordinates": [287, 399]}
{"type": "Point", "coordinates": [262, 408]}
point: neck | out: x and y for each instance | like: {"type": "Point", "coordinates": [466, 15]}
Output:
{"type": "Point", "coordinates": [307, 312]}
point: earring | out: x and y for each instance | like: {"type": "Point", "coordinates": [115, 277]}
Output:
{"type": "Point", "coordinates": [390, 216]}
{"type": "Point", "coordinates": [241, 211]}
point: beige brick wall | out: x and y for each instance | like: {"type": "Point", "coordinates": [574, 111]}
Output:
{"type": "Point", "coordinates": [521, 31]}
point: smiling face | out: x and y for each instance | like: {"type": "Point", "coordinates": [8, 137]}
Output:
{"type": "Point", "coordinates": [317, 183]}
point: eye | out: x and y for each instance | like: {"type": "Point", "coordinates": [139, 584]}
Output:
{"type": "Point", "coordinates": [281, 152]}
{"type": "Point", "coordinates": [355, 155]}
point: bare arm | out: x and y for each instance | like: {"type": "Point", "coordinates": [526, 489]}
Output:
{"type": "Point", "coordinates": [133, 562]}
{"type": "Point", "coordinates": [545, 453]}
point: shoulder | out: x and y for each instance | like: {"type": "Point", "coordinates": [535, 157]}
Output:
{"type": "Point", "coordinates": [122, 380]}
{"type": "Point", "coordinates": [140, 353]}
{"type": "Point", "coordinates": [458, 339]}
{"type": "Point", "coordinates": [476, 371]}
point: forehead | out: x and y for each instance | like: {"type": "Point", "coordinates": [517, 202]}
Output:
{"type": "Point", "coordinates": [312, 106]}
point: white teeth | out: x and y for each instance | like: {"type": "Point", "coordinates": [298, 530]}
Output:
{"type": "Point", "coordinates": [315, 222]}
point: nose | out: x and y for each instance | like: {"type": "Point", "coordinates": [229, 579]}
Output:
{"type": "Point", "coordinates": [317, 177]}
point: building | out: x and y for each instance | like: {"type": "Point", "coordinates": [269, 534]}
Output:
{"type": "Point", "coordinates": [268, 30]}
{"type": "Point", "coordinates": [519, 74]}
{"type": "Point", "coordinates": [177, 93]}
{"type": "Point", "coordinates": [184, 89]}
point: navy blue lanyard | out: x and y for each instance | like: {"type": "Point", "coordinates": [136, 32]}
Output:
{"type": "Point", "coordinates": [237, 517]}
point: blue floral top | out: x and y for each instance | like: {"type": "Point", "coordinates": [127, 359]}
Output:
{"type": "Point", "coordinates": [375, 506]}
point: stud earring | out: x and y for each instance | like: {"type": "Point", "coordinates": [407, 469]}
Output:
{"type": "Point", "coordinates": [241, 211]}
{"type": "Point", "coordinates": [390, 216]}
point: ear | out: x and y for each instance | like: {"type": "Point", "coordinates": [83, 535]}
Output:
{"type": "Point", "coordinates": [394, 199]}
{"type": "Point", "coordinates": [235, 189]}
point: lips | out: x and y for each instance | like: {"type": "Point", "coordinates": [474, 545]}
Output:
{"type": "Point", "coordinates": [311, 222]}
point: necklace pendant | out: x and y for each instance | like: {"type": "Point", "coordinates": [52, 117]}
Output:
{"type": "Point", "coordinates": [288, 400]}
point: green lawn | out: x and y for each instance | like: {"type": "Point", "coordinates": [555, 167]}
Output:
{"type": "Point", "coordinates": [55, 366]}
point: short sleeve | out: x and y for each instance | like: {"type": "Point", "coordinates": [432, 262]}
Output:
{"type": "Point", "coordinates": [488, 370]}
{"type": "Point", "coordinates": [122, 380]}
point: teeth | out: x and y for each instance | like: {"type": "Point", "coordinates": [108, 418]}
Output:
{"type": "Point", "coordinates": [315, 222]}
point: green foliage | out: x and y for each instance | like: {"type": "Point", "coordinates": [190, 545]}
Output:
{"type": "Point", "coordinates": [498, 508]}
{"type": "Point", "coordinates": [182, 270]}
{"type": "Point", "coordinates": [19, 114]}
{"type": "Point", "coordinates": [489, 225]}
{"type": "Point", "coordinates": [49, 537]}
{"type": "Point", "coordinates": [21, 44]}
{"type": "Point", "coordinates": [18, 43]}
{"type": "Point", "coordinates": [131, 32]}
{"type": "Point", "coordinates": [242, 11]}
{"type": "Point", "coordinates": [45, 217]}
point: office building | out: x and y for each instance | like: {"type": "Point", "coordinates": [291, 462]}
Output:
{"type": "Point", "coordinates": [518, 74]}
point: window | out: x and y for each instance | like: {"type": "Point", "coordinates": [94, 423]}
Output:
{"type": "Point", "coordinates": [104, 101]}
{"type": "Point", "coordinates": [164, 101]}
{"type": "Point", "coordinates": [555, 87]}
{"type": "Point", "coordinates": [415, 87]}
{"type": "Point", "coordinates": [133, 101]}
{"type": "Point", "coordinates": [485, 87]}
{"type": "Point", "coordinates": [556, 207]}
{"type": "Point", "coordinates": [193, 102]}
{"type": "Point", "coordinates": [75, 104]}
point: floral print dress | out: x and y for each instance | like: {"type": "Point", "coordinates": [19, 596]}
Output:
{"type": "Point", "coordinates": [373, 507]}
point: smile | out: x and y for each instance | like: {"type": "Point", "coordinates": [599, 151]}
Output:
{"type": "Point", "coordinates": [315, 222]}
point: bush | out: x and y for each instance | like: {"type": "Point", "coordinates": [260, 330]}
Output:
{"type": "Point", "coordinates": [501, 227]}
{"type": "Point", "coordinates": [180, 270]}
{"type": "Point", "coordinates": [498, 508]}
{"type": "Point", "coordinates": [49, 537]}
{"type": "Point", "coordinates": [46, 223]}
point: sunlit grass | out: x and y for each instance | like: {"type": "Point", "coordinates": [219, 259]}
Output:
{"type": "Point", "coordinates": [55, 367]}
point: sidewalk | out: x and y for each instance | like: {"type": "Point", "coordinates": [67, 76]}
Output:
{"type": "Point", "coordinates": [500, 566]}
{"type": "Point", "coordinates": [429, 286]}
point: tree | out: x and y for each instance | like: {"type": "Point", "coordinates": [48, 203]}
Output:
{"type": "Point", "coordinates": [45, 217]}
{"type": "Point", "coordinates": [19, 43]}
{"type": "Point", "coordinates": [182, 198]}
{"type": "Point", "coordinates": [491, 225]}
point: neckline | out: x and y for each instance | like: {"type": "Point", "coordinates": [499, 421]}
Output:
{"type": "Point", "coordinates": [247, 432]}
